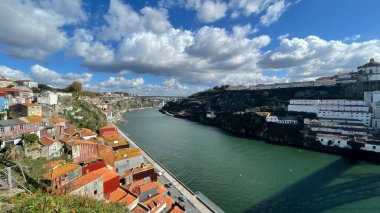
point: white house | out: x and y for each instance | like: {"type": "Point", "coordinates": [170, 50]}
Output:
{"type": "Point", "coordinates": [51, 147]}
{"type": "Point", "coordinates": [371, 70]}
{"type": "Point", "coordinates": [281, 120]}
{"type": "Point", "coordinates": [49, 98]}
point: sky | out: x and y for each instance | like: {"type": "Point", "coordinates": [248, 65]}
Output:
{"type": "Point", "coordinates": [179, 47]}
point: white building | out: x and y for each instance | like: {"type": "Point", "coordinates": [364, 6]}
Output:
{"type": "Point", "coordinates": [334, 140]}
{"type": "Point", "coordinates": [364, 117]}
{"type": "Point", "coordinates": [49, 98]}
{"type": "Point", "coordinates": [281, 120]}
{"type": "Point", "coordinates": [371, 70]}
{"type": "Point", "coordinates": [26, 83]}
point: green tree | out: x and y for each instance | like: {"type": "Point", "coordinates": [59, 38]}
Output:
{"type": "Point", "coordinates": [30, 138]}
{"type": "Point", "coordinates": [75, 87]}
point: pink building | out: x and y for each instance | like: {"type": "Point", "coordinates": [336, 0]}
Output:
{"type": "Point", "coordinates": [83, 150]}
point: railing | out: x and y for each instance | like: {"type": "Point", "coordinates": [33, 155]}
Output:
{"type": "Point", "coordinates": [8, 182]}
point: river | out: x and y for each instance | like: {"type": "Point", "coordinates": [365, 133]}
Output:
{"type": "Point", "coordinates": [244, 175]}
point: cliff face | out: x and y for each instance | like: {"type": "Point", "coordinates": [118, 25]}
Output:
{"type": "Point", "coordinates": [82, 114]}
{"type": "Point", "coordinates": [243, 112]}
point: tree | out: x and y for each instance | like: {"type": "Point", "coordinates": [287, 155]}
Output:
{"type": "Point", "coordinates": [30, 138]}
{"type": "Point", "coordinates": [75, 87]}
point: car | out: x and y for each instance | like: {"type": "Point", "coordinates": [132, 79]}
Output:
{"type": "Point", "coordinates": [159, 173]}
{"type": "Point", "coordinates": [182, 198]}
{"type": "Point", "coordinates": [168, 184]}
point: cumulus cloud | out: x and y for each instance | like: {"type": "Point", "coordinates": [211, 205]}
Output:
{"type": "Point", "coordinates": [46, 76]}
{"type": "Point", "coordinates": [12, 73]}
{"type": "Point", "coordinates": [208, 10]}
{"type": "Point", "coordinates": [137, 86]}
{"type": "Point", "coordinates": [84, 45]}
{"type": "Point", "coordinates": [32, 29]}
{"type": "Point", "coordinates": [123, 21]}
{"type": "Point", "coordinates": [273, 12]}
{"type": "Point", "coordinates": [312, 56]}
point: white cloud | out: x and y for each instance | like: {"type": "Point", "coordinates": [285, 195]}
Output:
{"type": "Point", "coordinates": [249, 79]}
{"type": "Point", "coordinates": [123, 21]}
{"type": "Point", "coordinates": [312, 56]}
{"type": "Point", "coordinates": [352, 38]}
{"type": "Point", "coordinates": [12, 73]}
{"type": "Point", "coordinates": [208, 10]}
{"type": "Point", "coordinates": [46, 76]}
{"type": "Point", "coordinates": [84, 45]}
{"type": "Point", "coordinates": [273, 12]}
{"type": "Point", "coordinates": [192, 57]}
{"type": "Point", "coordinates": [32, 29]}
{"type": "Point", "coordinates": [248, 7]}
{"type": "Point", "coordinates": [121, 83]}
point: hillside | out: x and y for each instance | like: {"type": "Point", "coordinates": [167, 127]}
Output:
{"type": "Point", "coordinates": [243, 112]}
{"type": "Point", "coordinates": [82, 113]}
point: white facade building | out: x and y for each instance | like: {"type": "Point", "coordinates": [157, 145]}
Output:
{"type": "Point", "coordinates": [49, 98]}
{"type": "Point", "coordinates": [285, 120]}
{"type": "Point", "coordinates": [371, 70]}
{"type": "Point", "coordinates": [364, 117]}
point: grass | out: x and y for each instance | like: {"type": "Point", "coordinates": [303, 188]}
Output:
{"type": "Point", "coordinates": [41, 202]}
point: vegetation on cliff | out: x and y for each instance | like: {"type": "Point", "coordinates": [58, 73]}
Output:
{"type": "Point", "coordinates": [82, 114]}
{"type": "Point", "coordinates": [243, 112]}
{"type": "Point", "coordinates": [42, 202]}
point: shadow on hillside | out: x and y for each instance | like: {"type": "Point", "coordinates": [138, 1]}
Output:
{"type": "Point", "coordinates": [314, 194]}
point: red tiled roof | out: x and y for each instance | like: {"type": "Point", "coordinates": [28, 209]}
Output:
{"type": "Point", "coordinates": [57, 120]}
{"type": "Point", "coordinates": [7, 89]}
{"type": "Point", "coordinates": [117, 195]}
{"type": "Point", "coordinates": [107, 174]}
{"type": "Point", "coordinates": [46, 141]}
{"type": "Point", "coordinates": [128, 199]}
{"type": "Point", "coordinates": [82, 181]}
{"type": "Point", "coordinates": [60, 171]}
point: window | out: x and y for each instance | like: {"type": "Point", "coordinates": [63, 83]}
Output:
{"type": "Point", "coordinates": [21, 126]}
{"type": "Point", "coordinates": [95, 192]}
{"type": "Point", "coordinates": [374, 147]}
{"type": "Point", "coordinates": [12, 128]}
{"type": "Point", "coordinates": [2, 129]}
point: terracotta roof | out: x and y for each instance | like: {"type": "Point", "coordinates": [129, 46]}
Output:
{"type": "Point", "coordinates": [57, 120]}
{"type": "Point", "coordinates": [176, 209]}
{"type": "Point", "coordinates": [108, 128]}
{"type": "Point", "coordinates": [77, 142]}
{"type": "Point", "coordinates": [46, 141]}
{"type": "Point", "coordinates": [140, 209]}
{"type": "Point", "coordinates": [7, 89]}
{"type": "Point", "coordinates": [108, 157]}
{"type": "Point", "coordinates": [52, 164]}
{"type": "Point", "coordinates": [117, 195]}
{"type": "Point", "coordinates": [128, 199]}
{"type": "Point", "coordinates": [127, 153]}
{"type": "Point", "coordinates": [69, 139]}
{"type": "Point", "coordinates": [82, 181]}
{"type": "Point", "coordinates": [147, 186]}
{"type": "Point", "coordinates": [135, 184]}
{"type": "Point", "coordinates": [161, 190]}
{"type": "Point", "coordinates": [87, 132]}
{"type": "Point", "coordinates": [117, 143]}
{"type": "Point", "coordinates": [146, 166]}
{"type": "Point", "coordinates": [34, 118]}
{"type": "Point", "coordinates": [107, 174]}
{"type": "Point", "coordinates": [155, 202]}
{"type": "Point", "coordinates": [111, 135]}
{"type": "Point", "coordinates": [60, 171]}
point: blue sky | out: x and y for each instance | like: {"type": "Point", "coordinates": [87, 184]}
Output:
{"type": "Point", "coordinates": [178, 47]}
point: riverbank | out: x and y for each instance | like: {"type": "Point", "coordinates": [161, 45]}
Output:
{"type": "Point", "coordinates": [292, 135]}
{"type": "Point", "coordinates": [189, 195]}
{"type": "Point", "coordinates": [241, 174]}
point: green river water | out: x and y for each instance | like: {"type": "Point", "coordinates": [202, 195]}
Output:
{"type": "Point", "coordinates": [244, 175]}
